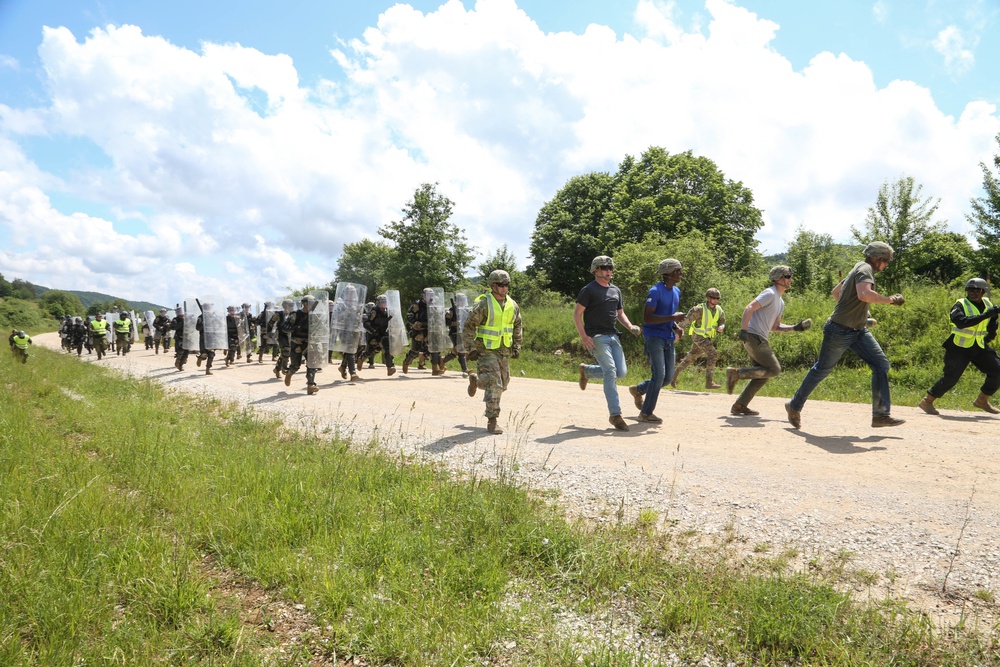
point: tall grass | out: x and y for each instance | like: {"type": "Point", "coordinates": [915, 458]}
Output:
{"type": "Point", "coordinates": [115, 495]}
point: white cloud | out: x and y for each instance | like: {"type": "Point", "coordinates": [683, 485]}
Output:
{"type": "Point", "coordinates": [224, 174]}
{"type": "Point", "coordinates": [952, 46]}
{"type": "Point", "coordinates": [880, 11]}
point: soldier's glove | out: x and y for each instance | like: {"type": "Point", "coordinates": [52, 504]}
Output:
{"type": "Point", "coordinates": [474, 354]}
{"type": "Point", "coordinates": [803, 325]}
{"type": "Point", "coordinates": [743, 335]}
{"type": "Point", "coordinates": [994, 311]}
{"type": "Point", "coordinates": [897, 299]}
{"type": "Point", "coordinates": [515, 352]}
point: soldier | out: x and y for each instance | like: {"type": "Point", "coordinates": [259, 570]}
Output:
{"type": "Point", "coordinates": [284, 342]}
{"type": "Point", "coordinates": [363, 350]}
{"type": "Point", "coordinates": [180, 350]}
{"type": "Point", "coordinates": [78, 336]}
{"type": "Point", "coordinates": [147, 335]}
{"type": "Point", "coordinates": [455, 318]}
{"type": "Point", "coordinates": [123, 333]}
{"type": "Point", "coordinates": [706, 320]}
{"type": "Point", "coordinates": [346, 329]}
{"type": "Point", "coordinates": [19, 342]}
{"type": "Point", "coordinates": [65, 333]}
{"type": "Point", "coordinates": [161, 331]}
{"type": "Point", "coordinates": [307, 340]}
{"type": "Point", "coordinates": [248, 331]}
{"type": "Point", "coordinates": [377, 327]}
{"type": "Point", "coordinates": [416, 320]}
{"type": "Point", "coordinates": [99, 335]}
{"type": "Point", "coordinates": [232, 335]}
{"type": "Point", "coordinates": [211, 327]}
{"type": "Point", "coordinates": [268, 338]}
{"type": "Point", "coordinates": [492, 334]}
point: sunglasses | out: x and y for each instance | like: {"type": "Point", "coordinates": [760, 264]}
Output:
{"type": "Point", "coordinates": [787, 275]}
{"type": "Point", "coordinates": [605, 268]}
{"type": "Point", "coordinates": [502, 284]}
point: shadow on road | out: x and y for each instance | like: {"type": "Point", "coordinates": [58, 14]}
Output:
{"type": "Point", "coordinates": [843, 444]}
{"type": "Point", "coordinates": [449, 442]}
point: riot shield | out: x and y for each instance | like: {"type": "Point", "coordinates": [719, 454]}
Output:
{"type": "Point", "coordinates": [134, 319]}
{"type": "Point", "coordinates": [191, 310]}
{"type": "Point", "coordinates": [243, 325]}
{"type": "Point", "coordinates": [462, 302]}
{"type": "Point", "coordinates": [319, 330]}
{"type": "Point", "coordinates": [268, 331]}
{"type": "Point", "coordinates": [111, 318]}
{"type": "Point", "coordinates": [213, 323]}
{"type": "Point", "coordinates": [437, 330]}
{"type": "Point", "coordinates": [149, 316]}
{"type": "Point", "coordinates": [397, 325]}
{"type": "Point", "coordinates": [346, 317]}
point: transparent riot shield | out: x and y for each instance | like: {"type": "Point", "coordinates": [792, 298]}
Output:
{"type": "Point", "coordinates": [243, 331]}
{"type": "Point", "coordinates": [134, 322]}
{"type": "Point", "coordinates": [346, 317]}
{"type": "Point", "coordinates": [110, 318]}
{"type": "Point", "coordinates": [268, 330]}
{"type": "Point", "coordinates": [397, 325]}
{"type": "Point", "coordinates": [319, 330]}
{"type": "Point", "coordinates": [462, 304]}
{"type": "Point", "coordinates": [437, 329]}
{"type": "Point", "coordinates": [148, 316]}
{"type": "Point", "coordinates": [191, 310]}
{"type": "Point", "coordinates": [213, 323]}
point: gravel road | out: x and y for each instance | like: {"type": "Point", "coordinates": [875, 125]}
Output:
{"type": "Point", "coordinates": [913, 505]}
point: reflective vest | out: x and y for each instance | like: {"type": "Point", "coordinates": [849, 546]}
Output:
{"type": "Point", "coordinates": [498, 329]}
{"type": "Point", "coordinates": [709, 322]}
{"type": "Point", "coordinates": [975, 335]}
{"type": "Point", "coordinates": [21, 343]}
{"type": "Point", "coordinates": [99, 327]}
{"type": "Point", "coordinates": [123, 326]}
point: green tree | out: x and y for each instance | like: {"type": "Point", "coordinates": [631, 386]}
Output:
{"type": "Point", "coordinates": [672, 195]}
{"type": "Point", "coordinates": [5, 287]}
{"type": "Point", "coordinates": [365, 263]}
{"type": "Point", "coordinates": [817, 261]}
{"type": "Point", "coordinates": [430, 251]}
{"type": "Point", "coordinates": [22, 289]}
{"type": "Point", "coordinates": [502, 259]}
{"type": "Point", "coordinates": [902, 219]}
{"type": "Point", "coordinates": [59, 304]}
{"type": "Point", "coordinates": [568, 232]}
{"type": "Point", "coordinates": [985, 217]}
{"type": "Point", "coordinates": [943, 257]}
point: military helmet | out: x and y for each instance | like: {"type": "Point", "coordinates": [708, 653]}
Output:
{"type": "Point", "coordinates": [601, 260]}
{"type": "Point", "coordinates": [246, 304]}
{"type": "Point", "coordinates": [668, 266]}
{"type": "Point", "coordinates": [779, 272]}
{"type": "Point", "coordinates": [712, 293]}
{"type": "Point", "coordinates": [163, 310]}
{"type": "Point", "coordinates": [382, 298]}
{"type": "Point", "coordinates": [309, 298]}
{"type": "Point", "coordinates": [498, 276]}
{"type": "Point", "coordinates": [879, 250]}
{"type": "Point", "coordinates": [287, 303]}
{"type": "Point", "coordinates": [123, 315]}
{"type": "Point", "coordinates": [231, 309]}
{"type": "Point", "coordinates": [977, 283]}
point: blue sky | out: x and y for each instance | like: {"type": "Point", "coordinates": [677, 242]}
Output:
{"type": "Point", "coordinates": [161, 151]}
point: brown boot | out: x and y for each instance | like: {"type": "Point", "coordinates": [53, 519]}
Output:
{"type": "Point", "coordinates": [312, 389]}
{"type": "Point", "coordinates": [732, 377]}
{"type": "Point", "coordinates": [343, 371]}
{"type": "Point", "coordinates": [492, 427]}
{"type": "Point", "coordinates": [983, 403]}
{"type": "Point", "coordinates": [673, 380]}
{"type": "Point", "coordinates": [390, 370]}
{"type": "Point", "coordinates": [208, 371]}
{"type": "Point", "coordinates": [355, 378]}
{"type": "Point", "coordinates": [406, 366]}
{"type": "Point", "coordinates": [927, 405]}
{"type": "Point", "coordinates": [583, 376]}
{"type": "Point", "coordinates": [473, 384]}
{"type": "Point", "coordinates": [710, 381]}
{"type": "Point", "coordinates": [288, 379]}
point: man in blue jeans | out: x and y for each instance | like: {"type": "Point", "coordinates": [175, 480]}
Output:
{"type": "Point", "coordinates": [847, 329]}
{"type": "Point", "coordinates": [598, 307]}
{"type": "Point", "coordinates": [660, 329]}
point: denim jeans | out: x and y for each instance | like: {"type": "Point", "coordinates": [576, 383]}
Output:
{"type": "Point", "coordinates": [611, 366]}
{"type": "Point", "coordinates": [661, 362]}
{"type": "Point", "coordinates": [837, 340]}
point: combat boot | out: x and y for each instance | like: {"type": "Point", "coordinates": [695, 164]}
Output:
{"type": "Point", "coordinates": [983, 403]}
{"type": "Point", "coordinates": [208, 371]}
{"type": "Point", "coordinates": [390, 370]}
{"type": "Point", "coordinates": [355, 378]}
{"type": "Point", "coordinates": [473, 384]}
{"type": "Point", "coordinates": [927, 405]}
{"type": "Point", "coordinates": [492, 427]}
{"type": "Point", "coordinates": [710, 381]}
{"type": "Point", "coordinates": [343, 371]}
{"type": "Point", "coordinates": [288, 379]}
{"type": "Point", "coordinates": [312, 389]}
{"type": "Point", "coordinates": [406, 366]}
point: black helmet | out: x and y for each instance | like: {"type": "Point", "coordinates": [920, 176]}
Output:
{"type": "Point", "coordinates": [123, 315]}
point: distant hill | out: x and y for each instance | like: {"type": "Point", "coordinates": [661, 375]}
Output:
{"type": "Point", "coordinates": [87, 298]}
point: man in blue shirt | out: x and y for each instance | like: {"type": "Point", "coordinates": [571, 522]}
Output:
{"type": "Point", "coordinates": [660, 329]}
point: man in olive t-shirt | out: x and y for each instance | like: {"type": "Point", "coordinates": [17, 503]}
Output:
{"type": "Point", "coordinates": [847, 330]}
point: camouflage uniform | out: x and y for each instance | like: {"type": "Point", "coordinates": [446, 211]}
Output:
{"type": "Point", "coordinates": [493, 366]}
{"type": "Point", "coordinates": [702, 347]}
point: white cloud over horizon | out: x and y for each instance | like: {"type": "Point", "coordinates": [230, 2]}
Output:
{"type": "Point", "coordinates": [223, 173]}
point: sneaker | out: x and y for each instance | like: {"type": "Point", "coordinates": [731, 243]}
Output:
{"type": "Point", "coordinates": [879, 421]}
{"type": "Point", "coordinates": [649, 419]}
{"type": "Point", "coordinates": [618, 422]}
{"type": "Point", "coordinates": [927, 405]}
{"type": "Point", "coordinates": [636, 397]}
{"type": "Point", "coordinates": [473, 380]}
{"type": "Point", "coordinates": [583, 377]}
{"type": "Point", "coordinates": [740, 409]}
{"type": "Point", "coordinates": [732, 377]}
{"type": "Point", "coordinates": [794, 416]}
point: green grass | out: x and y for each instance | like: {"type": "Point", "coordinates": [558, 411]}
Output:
{"type": "Point", "coordinates": [115, 496]}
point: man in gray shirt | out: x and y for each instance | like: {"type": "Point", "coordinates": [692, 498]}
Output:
{"type": "Point", "coordinates": [847, 330]}
{"type": "Point", "coordinates": [760, 318]}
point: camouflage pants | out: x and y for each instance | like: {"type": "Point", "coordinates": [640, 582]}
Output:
{"type": "Point", "coordinates": [493, 378]}
{"type": "Point", "coordinates": [701, 348]}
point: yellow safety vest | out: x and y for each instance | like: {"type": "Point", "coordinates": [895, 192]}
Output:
{"type": "Point", "coordinates": [709, 322]}
{"type": "Point", "coordinates": [123, 326]}
{"type": "Point", "coordinates": [975, 335]}
{"type": "Point", "coordinates": [99, 326]}
{"type": "Point", "coordinates": [21, 343]}
{"type": "Point", "coordinates": [499, 326]}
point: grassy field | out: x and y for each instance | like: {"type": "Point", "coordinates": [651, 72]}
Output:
{"type": "Point", "coordinates": [126, 510]}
